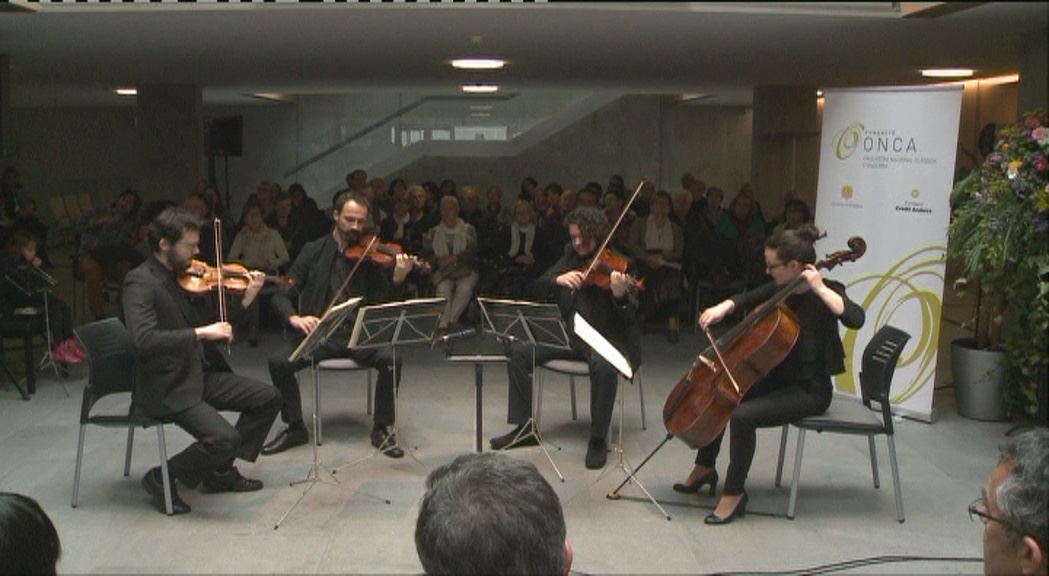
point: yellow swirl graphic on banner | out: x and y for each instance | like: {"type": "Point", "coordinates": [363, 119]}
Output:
{"type": "Point", "coordinates": [886, 295]}
{"type": "Point", "coordinates": [845, 142]}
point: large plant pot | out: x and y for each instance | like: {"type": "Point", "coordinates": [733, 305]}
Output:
{"type": "Point", "coordinates": [979, 379]}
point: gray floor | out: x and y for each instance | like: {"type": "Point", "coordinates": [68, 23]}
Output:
{"type": "Point", "coordinates": [840, 516]}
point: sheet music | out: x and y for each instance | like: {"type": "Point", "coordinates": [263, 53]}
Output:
{"type": "Point", "coordinates": [328, 324]}
{"type": "Point", "coordinates": [602, 346]}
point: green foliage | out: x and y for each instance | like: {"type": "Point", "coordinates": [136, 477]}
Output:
{"type": "Point", "coordinates": [1000, 236]}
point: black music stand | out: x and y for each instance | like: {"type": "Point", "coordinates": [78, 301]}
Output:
{"type": "Point", "coordinates": [395, 324]}
{"type": "Point", "coordinates": [539, 324]}
{"type": "Point", "coordinates": [40, 282]}
{"type": "Point", "coordinates": [478, 347]}
{"type": "Point", "coordinates": [327, 326]}
{"type": "Point", "coordinates": [606, 350]}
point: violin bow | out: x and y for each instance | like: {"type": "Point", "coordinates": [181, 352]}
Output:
{"type": "Point", "coordinates": [223, 314]}
{"type": "Point", "coordinates": [346, 281]}
{"type": "Point", "coordinates": [608, 238]}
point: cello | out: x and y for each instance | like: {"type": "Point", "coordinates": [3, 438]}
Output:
{"type": "Point", "coordinates": [700, 406]}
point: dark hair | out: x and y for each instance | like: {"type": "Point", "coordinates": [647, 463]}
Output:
{"type": "Point", "coordinates": [592, 222]}
{"type": "Point", "coordinates": [19, 240]}
{"type": "Point", "coordinates": [664, 195]}
{"type": "Point", "coordinates": [296, 187]}
{"type": "Point", "coordinates": [346, 196]}
{"type": "Point", "coordinates": [136, 206]}
{"type": "Point", "coordinates": [795, 244]}
{"type": "Point", "coordinates": [1024, 496]}
{"type": "Point", "coordinates": [795, 204]}
{"type": "Point", "coordinates": [170, 225]}
{"type": "Point", "coordinates": [29, 542]}
{"type": "Point", "coordinates": [490, 514]}
{"type": "Point", "coordinates": [554, 187]}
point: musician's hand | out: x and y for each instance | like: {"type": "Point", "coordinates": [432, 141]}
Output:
{"type": "Point", "coordinates": [716, 314]}
{"type": "Point", "coordinates": [402, 267]}
{"type": "Point", "coordinates": [304, 324]}
{"type": "Point", "coordinates": [216, 332]}
{"type": "Point", "coordinates": [813, 278]}
{"type": "Point", "coordinates": [620, 283]}
{"type": "Point", "coordinates": [572, 279]}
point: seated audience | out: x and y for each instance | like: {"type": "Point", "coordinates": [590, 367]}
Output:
{"type": "Point", "coordinates": [258, 247]}
{"type": "Point", "coordinates": [1013, 507]}
{"type": "Point", "coordinates": [519, 261]}
{"type": "Point", "coordinates": [491, 514]}
{"type": "Point", "coordinates": [29, 542]}
{"type": "Point", "coordinates": [796, 213]}
{"type": "Point", "coordinates": [656, 244]}
{"type": "Point", "coordinates": [742, 233]}
{"type": "Point", "coordinates": [502, 215]}
{"type": "Point", "coordinates": [455, 255]}
{"type": "Point", "coordinates": [105, 247]}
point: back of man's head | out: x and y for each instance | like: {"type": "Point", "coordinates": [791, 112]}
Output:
{"type": "Point", "coordinates": [487, 514]}
{"type": "Point", "coordinates": [1023, 497]}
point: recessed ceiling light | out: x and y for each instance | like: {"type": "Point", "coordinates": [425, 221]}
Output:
{"type": "Point", "coordinates": [947, 72]}
{"type": "Point", "coordinates": [481, 107]}
{"type": "Point", "coordinates": [126, 91]}
{"type": "Point", "coordinates": [478, 63]}
{"type": "Point", "coordinates": [819, 94]}
{"type": "Point", "coordinates": [480, 88]}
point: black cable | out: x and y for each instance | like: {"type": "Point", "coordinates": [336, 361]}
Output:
{"type": "Point", "coordinates": [859, 563]}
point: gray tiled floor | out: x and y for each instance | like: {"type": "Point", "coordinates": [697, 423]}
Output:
{"type": "Point", "coordinates": [840, 516]}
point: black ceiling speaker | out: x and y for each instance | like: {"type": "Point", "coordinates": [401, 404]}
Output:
{"type": "Point", "coordinates": [226, 136]}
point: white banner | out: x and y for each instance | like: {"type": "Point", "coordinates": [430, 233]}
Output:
{"type": "Point", "coordinates": [886, 171]}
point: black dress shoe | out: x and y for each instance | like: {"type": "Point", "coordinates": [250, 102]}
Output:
{"type": "Point", "coordinates": [229, 481]}
{"type": "Point", "coordinates": [154, 485]}
{"type": "Point", "coordinates": [290, 437]}
{"type": "Point", "coordinates": [516, 438]}
{"type": "Point", "coordinates": [740, 510]}
{"type": "Point", "coordinates": [386, 442]}
{"type": "Point", "coordinates": [596, 454]}
{"type": "Point", "coordinates": [710, 478]}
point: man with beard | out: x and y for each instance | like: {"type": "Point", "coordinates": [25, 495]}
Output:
{"type": "Point", "coordinates": [316, 281]}
{"type": "Point", "coordinates": [183, 376]}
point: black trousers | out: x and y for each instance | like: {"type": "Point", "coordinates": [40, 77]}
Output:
{"type": "Point", "coordinates": [283, 372]}
{"type": "Point", "coordinates": [218, 441]}
{"type": "Point", "coordinates": [768, 404]}
{"type": "Point", "coordinates": [603, 382]}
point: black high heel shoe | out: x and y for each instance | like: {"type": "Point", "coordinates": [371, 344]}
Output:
{"type": "Point", "coordinates": [741, 510]}
{"type": "Point", "coordinates": [708, 478]}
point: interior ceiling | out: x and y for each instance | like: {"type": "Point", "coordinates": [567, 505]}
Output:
{"type": "Point", "coordinates": [76, 54]}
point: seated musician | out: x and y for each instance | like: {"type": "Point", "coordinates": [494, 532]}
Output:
{"type": "Point", "coordinates": [316, 279]}
{"type": "Point", "coordinates": [183, 376]}
{"type": "Point", "coordinates": [612, 312]}
{"type": "Point", "coordinates": [800, 385]}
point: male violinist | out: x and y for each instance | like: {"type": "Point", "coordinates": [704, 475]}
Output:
{"type": "Point", "coordinates": [612, 311]}
{"type": "Point", "coordinates": [183, 376]}
{"type": "Point", "coordinates": [317, 280]}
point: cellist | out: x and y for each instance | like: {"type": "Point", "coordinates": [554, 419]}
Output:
{"type": "Point", "coordinates": [800, 385]}
{"type": "Point", "coordinates": [611, 310]}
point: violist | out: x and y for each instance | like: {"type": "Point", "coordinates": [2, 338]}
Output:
{"type": "Point", "coordinates": [800, 385]}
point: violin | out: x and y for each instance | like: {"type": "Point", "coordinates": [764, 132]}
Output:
{"type": "Point", "coordinates": [200, 278]}
{"type": "Point", "coordinates": [606, 262]}
{"type": "Point", "coordinates": [382, 253]}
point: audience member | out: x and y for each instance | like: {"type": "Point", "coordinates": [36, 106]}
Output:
{"type": "Point", "coordinates": [502, 215]}
{"type": "Point", "coordinates": [22, 287]}
{"type": "Point", "coordinates": [29, 542]}
{"type": "Point", "coordinates": [656, 244]}
{"type": "Point", "coordinates": [795, 214]}
{"type": "Point", "coordinates": [519, 260]}
{"type": "Point", "coordinates": [258, 247]}
{"type": "Point", "coordinates": [1013, 507]}
{"type": "Point", "coordinates": [455, 253]}
{"type": "Point", "coordinates": [491, 514]}
{"type": "Point", "coordinates": [357, 180]}
{"type": "Point", "coordinates": [105, 247]}
{"type": "Point", "coordinates": [198, 206]}
{"type": "Point", "coordinates": [528, 186]}
{"type": "Point", "coordinates": [742, 232]}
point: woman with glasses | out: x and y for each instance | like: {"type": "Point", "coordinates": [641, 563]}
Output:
{"type": "Point", "coordinates": [800, 385]}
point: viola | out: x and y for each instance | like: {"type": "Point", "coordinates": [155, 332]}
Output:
{"type": "Point", "coordinates": [200, 278]}
{"type": "Point", "coordinates": [369, 247]}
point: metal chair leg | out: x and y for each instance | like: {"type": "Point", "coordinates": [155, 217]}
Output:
{"type": "Point", "coordinates": [797, 474]}
{"type": "Point", "coordinates": [165, 476]}
{"type": "Point", "coordinates": [79, 461]}
{"type": "Point", "coordinates": [874, 460]}
{"type": "Point", "coordinates": [895, 477]}
{"type": "Point", "coordinates": [571, 385]}
{"type": "Point", "coordinates": [127, 451]}
{"type": "Point", "coordinates": [782, 450]}
{"type": "Point", "coordinates": [369, 370]}
{"type": "Point", "coordinates": [641, 396]}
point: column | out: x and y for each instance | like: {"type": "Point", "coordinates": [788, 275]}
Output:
{"type": "Point", "coordinates": [169, 127]}
{"type": "Point", "coordinates": [786, 146]}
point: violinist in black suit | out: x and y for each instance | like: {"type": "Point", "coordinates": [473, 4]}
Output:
{"type": "Point", "coordinates": [184, 377]}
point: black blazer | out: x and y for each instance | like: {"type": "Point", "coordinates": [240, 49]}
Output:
{"type": "Point", "coordinates": [171, 361]}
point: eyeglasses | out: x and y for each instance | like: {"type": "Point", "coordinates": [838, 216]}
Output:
{"type": "Point", "coordinates": [978, 510]}
{"type": "Point", "coordinates": [774, 266]}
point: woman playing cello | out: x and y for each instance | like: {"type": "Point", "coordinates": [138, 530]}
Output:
{"type": "Point", "coordinates": [800, 385]}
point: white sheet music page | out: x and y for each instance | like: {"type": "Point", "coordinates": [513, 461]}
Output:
{"type": "Point", "coordinates": [584, 330]}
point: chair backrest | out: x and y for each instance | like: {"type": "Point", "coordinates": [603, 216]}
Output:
{"type": "Point", "coordinates": [879, 365]}
{"type": "Point", "coordinates": [111, 361]}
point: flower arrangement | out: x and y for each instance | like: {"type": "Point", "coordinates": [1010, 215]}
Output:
{"type": "Point", "coordinates": [1000, 236]}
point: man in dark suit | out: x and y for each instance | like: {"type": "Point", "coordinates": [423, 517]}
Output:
{"type": "Point", "coordinates": [183, 376]}
{"type": "Point", "coordinates": [317, 280]}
